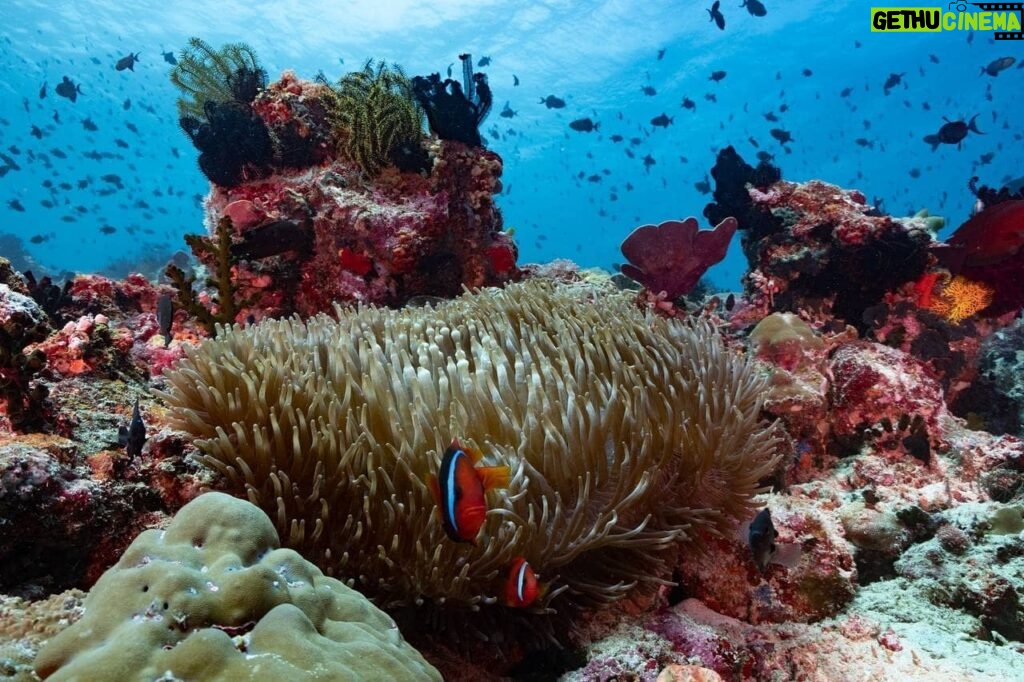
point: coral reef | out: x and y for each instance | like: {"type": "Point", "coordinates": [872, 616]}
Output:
{"type": "Point", "coordinates": [672, 256]}
{"type": "Point", "coordinates": [22, 322]}
{"type": "Point", "coordinates": [662, 422]}
{"type": "Point", "coordinates": [213, 596]}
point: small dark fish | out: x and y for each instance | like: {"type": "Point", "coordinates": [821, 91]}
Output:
{"type": "Point", "coordinates": [689, 104]}
{"type": "Point", "coordinates": [711, 97]}
{"type": "Point", "coordinates": [765, 156]}
{"type": "Point", "coordinates": [16, 205]}
{"type": "Point", "coordinates": [704, 186]}
{"type": "Point", "coordinates": [662, 121]}
{"type": "Point", "coordinates": [771, 117]}
{"type": "Point", "coordinates": [108, 229]}
{"type": "Point", "coordinates": [552, 102]}
{"type": "Point", "coordinates": [133, 437]}
{"type": "Point", "coordinates": [753, 142]}
{"type": "Point", "coordinates": [933, 59]}
{"type": "Point", "coordinates": [59, 153]}
{"type": "Point", "coordinates": [892, 81]}
{"type": "Point", "coordinates": [953, 132]}
{"type": "Point", "coordinates": [864, 142]}
{"type": "Point", "coordinates": [716, 15]}
{"type": "Point", "coordinates": [754, 7]}
{"type": "Point", "coordinates": [484, 61]}
{"type": "Point", "coordinates": [717, 76]}
{"type": "Point", "coordinates": [915, 172]}
{"type": "Point", "coordinates": [783, 136]}
{"type": "Point", "coordinates": [127, 104]}
{"type": "Point", "coordinates": [648, 162]}
{"type": "Point", "coordinates": [88, 124]}
{"type": "Point", "coordinates": [165, 317]}
{"type": "Point", "coordinates": [616, 138]}
{"type": "Point", "coordinates": [67, 88]}
{"type": "Point", "coordinates": [730, 302]}
{"type": "Point", "coordinates": [594, 178]}
{"type": "Point", "coordinates": [661, 53]}
{"type": "Point", "coordinates": [127, 62]}
{"type": "Point", "coordinates": [846, 92]}
{"type": "Point", "coordinates": [986, 158]}
{"type": "Point", "coordinates": [42, 91]}
{"type": "Point", "coordinates": [169, 58]}
{"type": "Point", "coordinates": [997, 65]}
{"type": "Point", "coordinates": [131, 126]}
{"type": "Point", "coordinates": [507, 112]}
{"type": "Point", "coordinates": [808, 73]}
{"type": "Point", "coordinates": [583, 125]}
{"type": "Point", "coordinates": [649, 91]}
{"type": "Point", "coordinates": [38, 238]}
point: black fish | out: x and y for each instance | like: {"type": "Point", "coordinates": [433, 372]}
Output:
{"type": "Point", "coordinates": [68, 88]}
{"type": "Point", "coordinates": [649, 91]}
{"type": "Point", "coordinates": [717, 76]}
{"type": "Point", "coordinates": [42, 90]}
{"type": "Point", "coordinates": [133, 437]}
{"type": "Point", "coordinates": [704, 186]}
{"type": "Point", "coordinates": [648, 162]}
{"type": "Point", "coordinates": [892, 81]}
{"type": "Point", "coordinates": [846, 92]}
{"type": "Point", "coordinates": [127, 104]}
{"type": "Point", "coordinates": [997, 65]}
{"type": "Point", "coordinates": [507, 112]}
{"type": "Point", "coordinates": [761, 537]}
{"type": "Point", "coordinates": [16, 205]}
{"type": "Point", "coordinates": [127, 62]}
{"type": "Point", "coordinates": [783, 136]}
{"type": "Point", "coordinates": [583, 125]}
{"type": "Point", "coordinates": [661, 53]}
{"type": "Point", "coordinates": [165, 317]}
{"type": "Point", "coordinates": [616, 138]}
{"type": "Point", "coordinates": [688, 104]}
{"type": "Point", "coordinates": [169, 58]}
{"type": "Point", "coordinates": [952, 132]}
{"type": "Point", "coordinates": [552, 102]}
{"type": "Point", "coordinates": [755, 8]}
{"type": "Point", "coordinates": [662, 121]}
{"type": "Point", "coordinates": [484, 61]}
{"type": "Point", "coordinates": [716, 15]}
{"type": "Point", "coordinates": [88, 124]}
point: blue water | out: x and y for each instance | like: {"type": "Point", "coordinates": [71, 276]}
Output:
{"type": "Point", "coordinates": [596, 55]}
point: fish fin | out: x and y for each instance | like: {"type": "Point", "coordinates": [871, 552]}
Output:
{"type": "Point", "coordinates": [435, 489]}
{"type": "Point", "coordinates": [787, 554]}
{"type": "Point", "coordinates": [494, 477]}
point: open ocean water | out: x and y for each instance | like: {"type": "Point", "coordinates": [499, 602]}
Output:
{"type": "Point", "coordinates": [109, 183]}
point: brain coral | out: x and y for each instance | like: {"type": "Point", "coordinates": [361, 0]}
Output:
{"type": "Point", "coordinates": [622, 432]}
{"type": "Point", "coordinates": [213, 597]}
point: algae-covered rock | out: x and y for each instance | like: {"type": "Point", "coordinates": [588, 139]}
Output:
{"type": "Point", "coordinates": [214, 597]}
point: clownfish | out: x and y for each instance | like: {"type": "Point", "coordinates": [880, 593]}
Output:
{"type": "Point", "coordinates": [521, 586]}
{"type": "Point", "coordinates": [459, 490]}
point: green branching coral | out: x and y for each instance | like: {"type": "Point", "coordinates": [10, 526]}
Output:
{"type": "Point", "coordinates": [624, 434]}
{"type": "Point", "coordinates": [204, 74]}
{"type": "Point", "coordinates": [226, 307]}
{"type": "Point", "coordinates": [384, 122]}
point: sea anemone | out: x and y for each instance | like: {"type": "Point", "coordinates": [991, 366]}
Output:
{"type": "Point", "coordinates": [624, 433]}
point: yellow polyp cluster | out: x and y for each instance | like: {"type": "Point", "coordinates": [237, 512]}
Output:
{"type": "Point", "coordinates": [960, 298]}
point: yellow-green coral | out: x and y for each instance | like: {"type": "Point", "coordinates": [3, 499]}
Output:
{"type": "Point", "coordinates": [204, 74]}
{"type": "Point", "coordinates": [213, 597]}
{"type": "Point", "coordinates": [622, 432]}
{"type": "Point", "coordinates": [377, 108]}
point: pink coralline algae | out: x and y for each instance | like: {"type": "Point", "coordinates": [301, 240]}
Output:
{"type": "Point", "coordinates": [826, 249]}
{"type": "Point", "coordinates": [881, 392]}
{"type": "Point", "coordinates": [672, 256]}
{"type": "Point", "coordinates": [320, 231]}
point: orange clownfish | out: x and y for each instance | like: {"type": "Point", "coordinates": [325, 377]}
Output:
{"type": "Point", "coordinates": [459, 490]}
{"type": "Point", "coordinates": [521, 586]}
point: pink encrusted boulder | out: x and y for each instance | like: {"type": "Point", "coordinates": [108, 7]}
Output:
{"type": "Point", "coordinates": [816, 580]}
{"type": "Point", "coordinates": [881, 393]}
{"type": "Point", "coordinates": [672, 256]}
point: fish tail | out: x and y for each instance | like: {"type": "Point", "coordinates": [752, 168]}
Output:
{"type": "Point", "coordinates": [596, 126]}
{"type": "Point", "coordinates": [972, 126]}
{"type": "Point", "coordinates": [494, 477]}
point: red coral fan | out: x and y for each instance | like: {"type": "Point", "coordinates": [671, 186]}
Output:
{"type": "Point", "coordinates": [672, 256]}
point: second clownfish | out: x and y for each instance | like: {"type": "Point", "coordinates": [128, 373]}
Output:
{"type": "Point", "coordinates": [459, 490]}
{"type": "Point", "coordinates": [521, 587]}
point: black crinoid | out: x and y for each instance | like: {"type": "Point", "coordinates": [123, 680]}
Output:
{"type": "Point", "coordinates": [455, 111]}
{"type": "Point", "coordinates": [234, 144]}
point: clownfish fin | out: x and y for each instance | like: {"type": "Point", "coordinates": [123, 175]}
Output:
{"type": "Point", "coordinates": [494, 477]}
{"type": "Point", "coordinates": [435, 488]}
